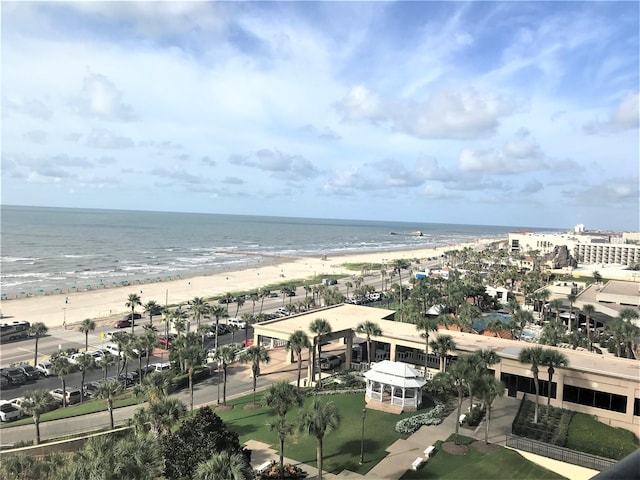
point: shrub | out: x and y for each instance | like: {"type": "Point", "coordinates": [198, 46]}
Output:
{"type": "Point", "coordinates": [475, 416]}
{"type": "Point", "coordinates": [412, 424]}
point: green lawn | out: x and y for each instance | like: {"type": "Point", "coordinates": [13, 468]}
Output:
{"type": "Point", "coordinates": [588, 435]}
{"type": "Point", "coordinates": [503, 463]}
{"type": "Point", "coordinates": [341, 448]}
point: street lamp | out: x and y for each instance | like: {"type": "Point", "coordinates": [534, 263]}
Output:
{"type": "Point", "coordinates": [364, 415]}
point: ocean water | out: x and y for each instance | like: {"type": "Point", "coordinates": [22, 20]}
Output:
{"type": "Point", "coordinates": [44, 249]}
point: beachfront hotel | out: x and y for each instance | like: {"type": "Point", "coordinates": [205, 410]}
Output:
{"type": "Point", "coordinates": [604, 386]}
{"type": "Point", "coordinates": [586, 248]}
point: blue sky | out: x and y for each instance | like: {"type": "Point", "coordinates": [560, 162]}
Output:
{"type": "Point", "coordinates": [499, 113]}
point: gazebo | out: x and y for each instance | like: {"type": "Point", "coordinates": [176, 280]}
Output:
{"type": "Point", "coordinates": [393, 387]}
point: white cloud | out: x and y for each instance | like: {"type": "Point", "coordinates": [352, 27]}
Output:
{"type": "Point", "coordinates": [625, 116]}
{"type": "Point", "coordinates": [101, 99]}
{"type": "Point", "coordinates": [103, 138]}
{"type": "Point", "coordinates": [447, 114]}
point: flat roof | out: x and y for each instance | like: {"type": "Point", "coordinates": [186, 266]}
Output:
{"type": "Point", "coordinates": [348, 317]}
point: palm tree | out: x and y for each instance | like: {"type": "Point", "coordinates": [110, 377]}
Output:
{"type": "Point", "coordinates": [297, 342]}
{"type": "Point", "coordinates": [84, 363]}
{"type": "Point", "coordinates": [280, 397]}
{"type": "Point", "coordinates": [106, 391]}
{"type": "Point", "coordinates": [104, 363]}
{"type": "Point", "coordinates": [320, 419]}
{"type": "Point", "coordinates": [179, 319]}
{"type": "Point", "coordinates": [225, 465]}
{"type": "Point", "coordinates": [37, 402]}
{"type": "Point", "coordinates": [157, 385]}
{"type": "Point", "coordinates": [369, 329]}
{"type": "Point", "coordinates": [248, 319]}
{"type": "Point", "coordinates": [255, 355]}
{"type": "Point", "coordinates": [199, 309]}
{"type": "Point", "coordinates": [239, 303]}
{"type": "Point", "coordinates": [398, 265]}
{"type": "Point", "coordinates": [148, 342]}
{"type": "Point", "coordinates": [61, 367]}
{"type": "Point", "coordinates": [522, 317]}
{"type": "Point", "coordinates": [588, 311]}
{"type": "Point", "coordinates": [426, 325]}
{"type": "Point", "coordinates": [320, 327]}
{"type": "Point", "coordinates": [87, 326]}
{"type": "Point", "coordinates": [152, 308]}
{"type": "Point", "coordinates": [456, 377]}
{"type": "Point", "coordinates": [160, 416]}
{"type": "Point", "coordinates": [225, 355]}
{"type": "Point", "coordinates": [534, 356]}
{"type": "Point", "coordinates": [441, 346]}
{"type": "Point", "coordinates": [192, 356]}
{"type": "Point", "coordinates": [556, 304]}
{"type": "Point", "coordinates": [348, 285]}
{"type": "Point", "coordinates": [572, 298]}
{"type": "Point", "coordinates": [552, 359]}
{"type": "Point", "coordinates": [167, 316]}
{"type": "Point", "coordinates": [133, 300]}
{"type": "Point", "coordinates": [218, 312]}
{"type": "Point", "coordinates": [121, 339]}
{"type": "Point", "coordinates": [489, 388]}
{"type": "Point", "coordinates": [37, 329]}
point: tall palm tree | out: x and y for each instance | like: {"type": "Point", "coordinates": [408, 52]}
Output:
{"type": "Point", "coordinates": [348, 285]}
{"type": "Point", "coordinates": [280, 397]}
{"type": "Point", "coordinates": [133, 300]}
{"type": "Point", "coordinates": [225, 465]}
{"type": "Point", "coordinates": [552, 359]}
{"type": "Point", "coordinates": [37, 402]}
{"type": "Point", "coordinates": [85, 327]}
{"type": "Point", "coordinates": [199, 309]}
{"type": "Point", "coordinates": [192, 356]}
{"type": "Point", "coordinates": [398, 265]}
{"type": "Point", "coordinates": [588, 311]}
{"type": "Point", "coordinates": [441, 346]}
{"type": "Point", "coordinates": [179, 319]}
{"type": "Point", "coordinates": [255, 355]}
{"type": "Point", "coordinates": [167, 316]}
{"type": "Point", "coordinates": [218, 312]}
{"type": "Point", "coordinates": [61, 367]}
{"type": "Point", "coordinates": [555, 305]}
{"type": "Point", "coordinates": [522, 318]}
{"type": "Point", "coordinates": [104, 363]}
{"type": "Point", "coordinates": [84, 362]}
{"type": "Point", "coordinates": [121, 339]}
{"type": "Point", "coordinates": [148, 342]}
{"type": "Point", "coordinates": [320, 327]}
{"type": "Point", "coordinates": [225, 355]}
{"type": "Point", "coordinates": [426, 325]}
{"type": "Point", "coordinates": [298, 341]}
{"type": "Point", "coordinates": [239, 304]}
{"type": "Point", "coordinates": [456, 377]}
{"type": "Point", "coordinates": [572, 298]}
{"type": "Point", "coordinates": [158, 385]}
{"type": "Point", "coordinates": [369, 329]}
{"type": "Point", "coordinates": [107, 391]}
{"type": "Point", "coordinates": [534, 356]}
{"type": "Point", "coordinates": [489, 388]}
{"type": "Point", "coordinates": [318, 420]}
{"type": "Point", "coordinates": [248, 319]}
{"type": "Point", "coordinates": [153, 309]}
{"type": "Point", "coordinates": [37, 329]}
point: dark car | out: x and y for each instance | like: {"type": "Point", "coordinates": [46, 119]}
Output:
{"type": "Point", "coordinates": [14, 375]}
{"type": "Point", "coordinates": [31, 373]}
{"type": "Point", "coordinates": [273, 295]}
{"type": "Point", "coordinates": [122, 323]}
{"type": "Point", "coordinates": [136, 316]}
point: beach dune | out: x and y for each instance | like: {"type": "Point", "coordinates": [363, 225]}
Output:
{"type": "Point", "coordinates": [70, 308]}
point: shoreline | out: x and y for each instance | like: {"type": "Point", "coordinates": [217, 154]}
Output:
{"type": "Point", "coordinates": [71, 307]}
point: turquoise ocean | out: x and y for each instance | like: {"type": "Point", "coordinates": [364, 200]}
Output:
{"type": "Point", "coordinates": [43, 249]}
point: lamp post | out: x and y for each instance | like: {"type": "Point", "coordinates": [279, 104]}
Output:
{"type": "Point", "coordinates": [364, 415]}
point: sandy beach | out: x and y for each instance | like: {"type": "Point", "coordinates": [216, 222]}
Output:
{"type": "Point", "coordinates": [72, 307]}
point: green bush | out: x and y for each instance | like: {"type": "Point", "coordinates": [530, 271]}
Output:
{"type": "Point", "coordinates": [586, 434]}
{"type": "Point", "coordinates": [182, 381]}
{"type": "Point", "coordinates": [474, 417]}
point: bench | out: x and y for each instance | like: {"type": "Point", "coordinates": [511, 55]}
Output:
{"type": "Point", "coordinates": [462, 418]}
{"type": "Point", "coordinates": [263, 467]}
{"type": "Point", "coordinates": [416, 463]}
{"type": "Point", "coordinates": [429, 450]}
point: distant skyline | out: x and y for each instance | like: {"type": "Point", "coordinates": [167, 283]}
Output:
{"type": "Point", "coordinates": [481, 113]}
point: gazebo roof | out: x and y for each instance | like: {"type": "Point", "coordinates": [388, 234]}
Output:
{"type": "Point", "coordinates": [395, 373]}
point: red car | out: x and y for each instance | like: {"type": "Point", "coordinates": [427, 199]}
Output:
{"type": "Point", "coordinates": [122, 323]}
{"type": "Point", "coordinates": [247, 343]}
{"type": "Point", "coordinates": [165, 342]}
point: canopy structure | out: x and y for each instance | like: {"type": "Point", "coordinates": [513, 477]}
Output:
{"type": "Point", "coordinates": [394, 387]}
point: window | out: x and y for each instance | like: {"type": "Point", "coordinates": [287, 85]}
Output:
{"type": "Point", "coordinates": [597, 399]}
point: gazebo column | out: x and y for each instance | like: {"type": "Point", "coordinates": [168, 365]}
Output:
{"type": "Point", "coordinates": [403, 393]}
{"type": "Point", "coordinates": [392, 351]}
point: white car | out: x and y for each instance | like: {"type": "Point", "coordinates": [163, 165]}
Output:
{"type": "Point", "coordinates": [45, 368]}
{"type": "Point", "coordinates": [236, 322]}
{"type": "Point", "coordinates": [76, 356]}
{"type": "Point", "coordinates": [9, 411]}
{"type": "Point", "coordinates": [17, 402]}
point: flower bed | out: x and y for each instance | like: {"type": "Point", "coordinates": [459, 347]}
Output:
{"type": "Point", "coordinates": [289, 471]}
{"type": "Point", "coordinates": [412, 424]}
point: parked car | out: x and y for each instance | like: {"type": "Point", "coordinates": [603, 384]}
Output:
{"type": "Point", "coordinates": [236, 322]}
{"type": "Point", "coordinates": [17, 402]}
{"type": "Point", "coordinates": [9, 412]}
{"type": "Point", "coordinates": [31, 373]}
{"type": "Point", "coordinates": [73, 359]}
{"type": "Point", "coordinates": [160, 367]}
{"type": "Point", "coordinates": [124, 323]}
{"type": "Point", "coordinates": [247, 343]}
{"type": "Point", "coordinates": [4, 383]}
{"type": "Point", "coordinates": [98, 355]}
{"type": "Point", "coordinates": [273, 295]}
{"type": "Point", "coordinates": [165, 342]}
{"type": "Point", "coordinates": [72, 395]}
{"type": "Point", "coordinates": [14, 375]}
{"type": "Point", "coordinates": [329, 361]}
{"type": "Point", "coordinates": [91, 388]}
{"type": "Point", "coordinates": [136, 316]}
{"type": "Point", "coordinates": [45, 368]}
